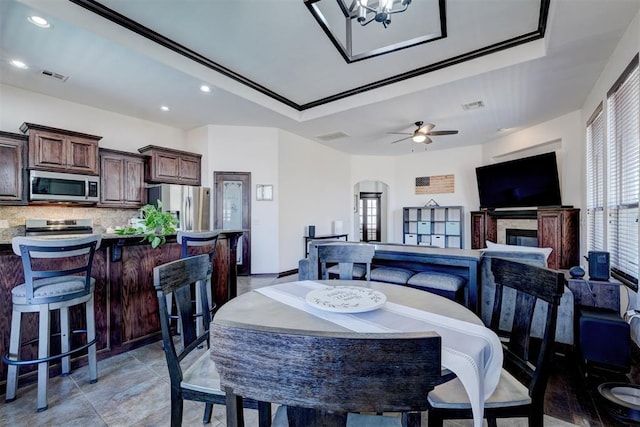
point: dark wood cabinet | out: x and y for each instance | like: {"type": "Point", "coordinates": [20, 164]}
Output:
{"type": "Point", "coordinates": [13, 153]}
{"type": "Point", "coordinates": [168, 166]}
{"type": "Point", "coordinates": [558, 229]}
{"type": "Point", "coordinates": [125, 301]}
{"type": "Point", "coordinates": [135, 311]}
{"type": "Point", "coordinates": [483, 228]}
{"type": "Point", "coordinates": [122, 179]}
{"type": "Point", "coordinates": [61, 150]}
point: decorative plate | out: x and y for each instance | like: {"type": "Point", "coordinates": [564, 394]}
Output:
{"type": "Point", "coordinates": [346, 299]}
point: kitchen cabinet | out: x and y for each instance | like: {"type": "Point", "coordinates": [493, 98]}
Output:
{"type": "Point", "coordinates": [169, 166]}
{"type": "Point", "coordinates": [122, 179]}
{"type": "Point", "coordinates": [61, 150]}
{"type": "Point", "coordinates": [440, 226]}
{"type": "Point", "coordinates": [13, 183]}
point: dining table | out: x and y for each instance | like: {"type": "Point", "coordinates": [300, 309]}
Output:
{"type": "Point", "coordinates": [469, 350]}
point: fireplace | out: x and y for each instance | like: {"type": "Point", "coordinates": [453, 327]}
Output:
{"type": "Point", "coordinates": [521, 237]}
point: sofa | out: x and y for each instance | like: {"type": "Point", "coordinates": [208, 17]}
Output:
{"type": "Point", "coordinates": [448, 272]}
{"type": "Point", "coordinates": [452, 273]}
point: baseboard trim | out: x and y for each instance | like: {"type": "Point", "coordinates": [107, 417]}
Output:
{"type": "Point", "coordinates": [287, 273]}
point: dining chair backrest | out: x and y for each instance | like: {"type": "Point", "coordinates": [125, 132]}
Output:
{"type": "Point", "coordinates": [187, 239]}
{"type": "Point", "coordinates": [533, 286]}
{"type": "Point", "coordinates": [346, 256]}
{"type": "Point", "coordinates": [339, 372]}
{"type": "Point", "coordinates": [47, 261]}
{"type": "Point", "coordinates": [199, 380]}
{"type": "Point", "coordinates": [177, 278]}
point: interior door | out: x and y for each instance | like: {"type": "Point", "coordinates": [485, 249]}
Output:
{"type": "Point", "coordinates": [370, 217]}
{"type": "Point", "coordinates": [233, 211]}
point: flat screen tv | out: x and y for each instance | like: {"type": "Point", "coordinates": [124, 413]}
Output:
{"type": "Point", "coordinates": [528, 182]}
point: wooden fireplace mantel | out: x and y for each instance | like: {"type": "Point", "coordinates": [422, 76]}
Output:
{"type": "Point", "coordinates": [558, 229]}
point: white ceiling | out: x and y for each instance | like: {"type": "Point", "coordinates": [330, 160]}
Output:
{"type": "Point", "coordinates": [278, 47]}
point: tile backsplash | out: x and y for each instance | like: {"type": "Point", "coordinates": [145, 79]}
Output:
{"type": "Point", "coordinates": [14, 216]}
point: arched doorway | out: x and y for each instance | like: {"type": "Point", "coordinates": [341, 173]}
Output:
{"type": "Point", "coordinates": [370, 213]}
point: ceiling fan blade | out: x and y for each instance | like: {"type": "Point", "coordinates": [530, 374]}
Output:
{"type": "Point", "coordinates": [398, 133]}
{"type": "Point", "coordinates": [398, 140]}
{"type": "Point", "coordinates": [426, 128]}
{"type": "Point", "coordinates": [443, 132]}
{"type": "Point", "coordinates": [427, 141]}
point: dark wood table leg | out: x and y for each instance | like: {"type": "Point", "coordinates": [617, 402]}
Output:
{"type": "Point", "coordinates": [235, 415]}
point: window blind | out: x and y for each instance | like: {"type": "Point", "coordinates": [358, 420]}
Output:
{"type": "Point", "coordinates": [623, 127]}
{"type": "Point", "coordinates": [595, 181]}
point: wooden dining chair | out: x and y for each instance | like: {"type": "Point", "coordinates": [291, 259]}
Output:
{"type": "Point", "coordinates": [328, 379]}
{"type": "Point", "coordinates": [197, 243]}
{"type": "Point", "coordinates": [348, 261]}
{"type": "Point", "coordinates": [527, 359]}
{"type": "Point", "coordinates": [198, 380]}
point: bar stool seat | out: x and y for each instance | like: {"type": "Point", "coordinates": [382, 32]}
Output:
{"type": "Point", "coordinates": [57, 276]}
{"type": "Point", "coordinates": [55, 287]}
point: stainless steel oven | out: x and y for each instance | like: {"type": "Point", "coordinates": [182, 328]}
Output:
{"type": "Point", "coordinates": [63, 187]}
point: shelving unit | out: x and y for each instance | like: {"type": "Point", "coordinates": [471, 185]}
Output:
{"type": "Point", "coordinates": [440, 226]}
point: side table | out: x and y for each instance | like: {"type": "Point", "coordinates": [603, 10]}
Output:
{"type": "Point", "coordinates": [596, 293]}
{"type": "Point", "coordinates": [603, 338]}
{"type": "Point", "coordinates": [309, 239]}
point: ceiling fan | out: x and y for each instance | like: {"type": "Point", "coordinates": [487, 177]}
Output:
{"type": "Point", "coordinates": [422, 133]}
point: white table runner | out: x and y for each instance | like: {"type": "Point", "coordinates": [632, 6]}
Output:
{"type": "Point", "coordinates": [473, 352]}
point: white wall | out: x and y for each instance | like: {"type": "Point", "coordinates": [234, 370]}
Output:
{"type": "Point", "coordinates": [400, 174]}
{"type": "Point", "coordinates": [563, 135]}
{"type": "Point", "coordinates": [254, 150]}
{"type": "Point", "coordinates": [118, 131]}
{"type": "Point", "coordinates": [315, 189]}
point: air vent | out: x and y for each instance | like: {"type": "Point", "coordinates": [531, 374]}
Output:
{"type": "Point", "coordinates": [473, 105]}
{"type": "Point", "coordinates": [54, 75]}
{"type": "Point", "coordinates": [332, 136]}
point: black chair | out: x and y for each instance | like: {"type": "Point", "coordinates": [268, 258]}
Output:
{"type": "Point", "coordinates": [199, 380]}
{"type": "Point", "coordinates": [347, 261]}
{"type": "Point", "coordinates": [192, 243]}
{"type": "Point", "coordinates": [327, 380]}
{"type": "Point", "coordinates": [57, 276]}
{"type": "Point", "coordinates": [527, 359]}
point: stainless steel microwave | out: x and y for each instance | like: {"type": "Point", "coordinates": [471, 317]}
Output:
{"type": "Point", "coordinates": [63, 187]}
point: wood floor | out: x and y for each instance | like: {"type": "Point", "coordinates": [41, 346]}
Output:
{"type": "Point", "coordinates": [573, 398]}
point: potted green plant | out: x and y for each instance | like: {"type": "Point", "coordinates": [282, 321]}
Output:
{"type": "Point", "coordinates": [156, 225]}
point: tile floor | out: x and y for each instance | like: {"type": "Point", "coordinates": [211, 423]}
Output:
{"type": "Point", "coordinates": [133, 390]}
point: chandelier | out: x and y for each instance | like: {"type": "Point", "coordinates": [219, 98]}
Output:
{"type": "Point", "coordinates": [346, 23]}
{"type": "Point", "coordinates": [382, 13]}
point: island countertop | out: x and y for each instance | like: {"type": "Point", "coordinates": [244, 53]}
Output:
{"type": "Point", "coordinates": [125, 301]}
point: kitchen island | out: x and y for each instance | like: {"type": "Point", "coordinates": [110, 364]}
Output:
{"type": "Point", "coordinates": [126, 305]}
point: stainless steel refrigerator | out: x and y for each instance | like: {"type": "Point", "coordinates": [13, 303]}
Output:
{"type": "Point", "coordinates": [191, 205]}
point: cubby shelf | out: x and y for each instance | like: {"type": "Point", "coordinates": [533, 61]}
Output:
{"type": "Point", "coordinates": [440, 226]}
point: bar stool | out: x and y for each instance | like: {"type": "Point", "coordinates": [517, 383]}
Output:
{"type": "Point", "coordinates": [189, 239]}
{"type": "Point", "coordinates": [57, 276]}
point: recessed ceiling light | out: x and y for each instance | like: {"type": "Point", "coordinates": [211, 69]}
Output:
{"type": "Point", "coordinates": [164, 108]}
{"type": "Point", "coordinates": [19, 64]}
{"type": "Point", "coordinates": [39, 21]}
{"type": "Point", "coordinates": [205, 88]}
